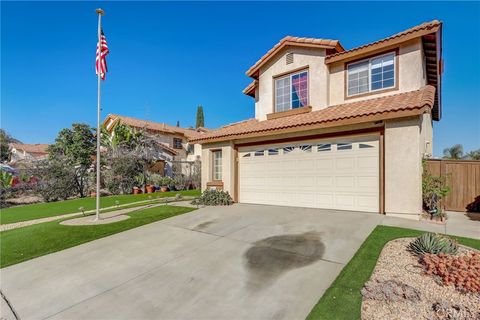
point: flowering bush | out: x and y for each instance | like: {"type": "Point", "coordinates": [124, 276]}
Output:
{"type": "Point", "coordinates": [461, 271]}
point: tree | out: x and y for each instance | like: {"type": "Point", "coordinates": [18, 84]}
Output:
{"type": "Point", "coordinates": [75, 147]}
{"type": "Point", "coordinates": [123, 136]}
{"type": "Point", "coordinates": [473, 155]}
{"type": "Point", "coordinates": [454, 152]}
{"type": "Point", "coordinates": [5, 139]}
{"type": "Point", "coordinates": [200, 117]}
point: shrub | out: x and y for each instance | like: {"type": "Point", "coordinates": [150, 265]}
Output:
{"type": "Point", "coordinates": [434, 189]}
{"type": "Point", "coordinates": [474, 206]}
{"type": "Point", "coordinates": [462, 271]}
{"type": "Point", "coordinates": [214, 198]}
{"type": "Point", "coordinates": [58, 181]}
{"type": "Point", "coordinates": [434, 244]}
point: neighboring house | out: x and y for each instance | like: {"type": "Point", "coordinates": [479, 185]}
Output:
{"type": "Point", "coordinates": [334, 128]}
{"type": "Point", "coordinates": [27, 152]}
{"type": "Point", "coordinates": [175, 141]}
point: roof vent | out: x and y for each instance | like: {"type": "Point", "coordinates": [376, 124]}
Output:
{"type": "Point", "coordinates": [289, 58]}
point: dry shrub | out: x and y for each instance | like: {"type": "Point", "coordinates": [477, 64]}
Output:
{"type": "Point", "coordinates": [462, 271]}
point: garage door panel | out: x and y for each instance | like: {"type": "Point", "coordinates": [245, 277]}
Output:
{"type": "Point", "coordinates": [322, 164]}
{"type": "Point", "coordinates": [324, 181]}
{"type": "Point", "coordinates": [365, 162]}
{"type": "Point", "coordinates": [368, 182]}
{"type": "Point", "coordinates": [366, 201]}
{"type": "Point", "coordinates": [345, 182]}
{"type": "Point", "coordinates": [320, 176]}
{"type": "Point", "coordinates": [324, 200]}
{"type": "Point", "coordinates": [345, 201]}
{"type": "Point", "coordinates": [345, 163]}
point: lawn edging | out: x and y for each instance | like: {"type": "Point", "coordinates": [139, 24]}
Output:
{"type": "Point", "coordinates": [343, 299]}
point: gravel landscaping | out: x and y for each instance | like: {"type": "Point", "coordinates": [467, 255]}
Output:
{"type": "Point", "coordinates": [399, 289]}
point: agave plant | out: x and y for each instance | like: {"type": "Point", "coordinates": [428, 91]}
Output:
{"type": "Point", "coordinates": [6, 180]}
{"type": "Point", "coordinates": [433, 243]}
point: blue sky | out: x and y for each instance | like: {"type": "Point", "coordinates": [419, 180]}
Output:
{"type": "Point", "coordinates": [167, 58]}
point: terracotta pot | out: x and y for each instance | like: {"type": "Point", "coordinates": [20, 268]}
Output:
{"type": "Point", "coordinates": [136, 190]}
{"type": "Point", "coordinates": [163, 189]}
{"type": "Point", "coordinates": [150, 189]}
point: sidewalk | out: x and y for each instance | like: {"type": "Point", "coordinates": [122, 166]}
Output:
{"type": "Point", "coordinates": [458, 224]}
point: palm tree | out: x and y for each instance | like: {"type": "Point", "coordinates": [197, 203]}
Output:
{"type": "Point", "coordinates": [454, 152]}
{"type": "Point", "coordinates": [473, 155]}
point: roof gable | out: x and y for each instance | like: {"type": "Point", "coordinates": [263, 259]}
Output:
{"type": "Point", "coordinates": [290, 41]}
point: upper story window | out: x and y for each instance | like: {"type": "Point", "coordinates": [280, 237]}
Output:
{"type": "Point", "coordinates": [371, 74]}
{"type": "Point", "coordinates": [217, 165]}
{"type": "Point", "coordinates": [177, 143]}
{"type": "Point", "coordinates": [291, 91]}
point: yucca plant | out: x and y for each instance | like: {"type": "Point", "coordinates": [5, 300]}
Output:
{"type": "Point", "coordinates": [433, 243]}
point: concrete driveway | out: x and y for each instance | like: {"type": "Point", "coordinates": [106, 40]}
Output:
{"type": "Point", "coordinates": [237, 262]}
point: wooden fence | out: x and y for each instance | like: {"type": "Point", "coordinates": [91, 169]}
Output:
{"type": "Point", "coordinates": [463, 177]}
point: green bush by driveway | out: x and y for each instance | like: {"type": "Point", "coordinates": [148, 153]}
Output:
{"type": "Point", "coordinates": [50, 209]}
{"type": "Point", "coordinates": [26, 243]}
{"type": "Point", "coordinates": [343, 299]}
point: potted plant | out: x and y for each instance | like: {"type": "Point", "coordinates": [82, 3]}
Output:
{"type": "Point", "coordinates": [434, 189]}
{"type": "Point", "coordinates": [137, 190]}
{"type": "Point", "coordinates": [140, 180]}
{"type": "Point", "coordinates": [150, 188]}
{"type": "Point", "coordinates": [166, 181]}
{"type": "Point", "coordinates": [154, 180]}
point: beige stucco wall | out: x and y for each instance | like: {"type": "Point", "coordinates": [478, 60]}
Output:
{"type": "Point", "coordinates": [197, 152]}
{"type": "Point", "coordinates": [303, 57]}
{"type": "Point", "coordinates": [426, 135]}
{"type": "Point", "coordinates": [228, 165]}
{"type": "Point", "coordinates": [327, 83]}
{"type": "Point", "coordinates": [403, 167]}
{"type": "Point", "coordinates": [411, 74]}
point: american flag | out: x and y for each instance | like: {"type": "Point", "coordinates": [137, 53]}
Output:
{"type": "Point", "coordinates": [100, 61]}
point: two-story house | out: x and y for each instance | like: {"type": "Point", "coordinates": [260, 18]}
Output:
{"type": "Point", "coordinates": [174, 141]}
{"type": "Point", "coordinates": [334, 128]}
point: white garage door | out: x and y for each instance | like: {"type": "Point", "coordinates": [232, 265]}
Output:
{"type": "Point", "coordinates": [333, 174]}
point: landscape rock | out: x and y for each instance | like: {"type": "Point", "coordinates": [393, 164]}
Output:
{"type": "Point", "coordinates": [390, 290]}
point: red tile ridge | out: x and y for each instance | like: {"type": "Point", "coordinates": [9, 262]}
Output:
{"type": "Point", "coordinates": [431, 25]}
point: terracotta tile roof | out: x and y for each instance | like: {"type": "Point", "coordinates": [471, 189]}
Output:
{"type": "Point", "coordinates": [387, 107]}
{"type": "Point", "coordinates": [294, 41]}
{"type": "Point", "coordinates": [417, 31]}
{"type": "Point", "coordinates": [168, 149]}
{"type": "Point", "coordinates": [250, 89]}
{"type": "Point", "coordinates": [160, 127]}
{"type": "Point", "coordinates": [31, 148]}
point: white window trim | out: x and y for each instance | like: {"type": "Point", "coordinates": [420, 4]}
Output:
{"type": "Point", "coordinates": [290, 75]}
{"type": "Point", "coordinates": [215, 167]}
{"type": "Point", "coordinates": [394, 53]}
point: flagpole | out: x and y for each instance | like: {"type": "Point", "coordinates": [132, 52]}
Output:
{"type": "Point", "coordinates": [100, 12]}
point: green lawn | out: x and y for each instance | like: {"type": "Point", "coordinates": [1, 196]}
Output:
{"type": "Point", "coordinates": [26, 243]}
{"type": "Point", "coordinates": [50, 209]}
{"type": "Point", "coordinates": [343, 299]}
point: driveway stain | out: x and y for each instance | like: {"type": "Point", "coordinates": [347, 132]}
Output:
{"type": "Point", "coordinates": [269, 258]}
{"type": "Point", "coordinates": [203, 225]}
